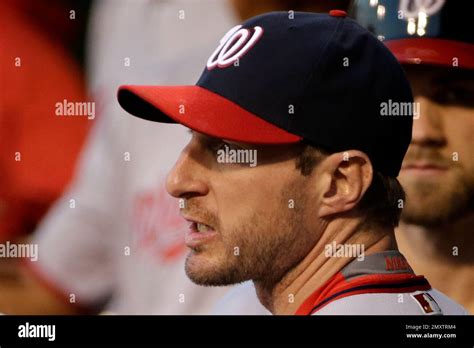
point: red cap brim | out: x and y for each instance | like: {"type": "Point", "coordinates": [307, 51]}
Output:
{"type": "Point", "coordinates": [433, 52]}
{"type": "Point", "coordinates": [203, 111]}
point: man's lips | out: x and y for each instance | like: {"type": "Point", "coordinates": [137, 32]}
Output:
{"type": "Point", "coordinates": [198, 235]}
{"type": "Point", "coordinates": [424, 168]}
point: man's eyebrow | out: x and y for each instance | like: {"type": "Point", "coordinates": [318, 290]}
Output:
{"type": "Point", "coordinates": [210, 138]}
{"type": "Point", "coordinates": [237, 143]}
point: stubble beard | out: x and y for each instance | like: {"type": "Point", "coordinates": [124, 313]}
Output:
{"type": "Point", "coordinates": [267, 248]}
{"type": "Point", "coordinates": [438, 203]}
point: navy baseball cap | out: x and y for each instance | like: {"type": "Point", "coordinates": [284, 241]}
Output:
{"type": "Point", "coordinates": [280, 78]}
{"type": "Point", "coordinates": [421, 32]}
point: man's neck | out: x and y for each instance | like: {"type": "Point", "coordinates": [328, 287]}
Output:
{"type": "Point", "coordinates": [316, 268]}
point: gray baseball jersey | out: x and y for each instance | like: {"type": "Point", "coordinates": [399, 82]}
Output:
{"type": "Point", "coordinates": [378, 284]}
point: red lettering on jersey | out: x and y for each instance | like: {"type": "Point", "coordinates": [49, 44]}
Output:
{"type": "Point", "coordinates": [158, 228]}
{"type": "Point", "coordinates": [396, 263]}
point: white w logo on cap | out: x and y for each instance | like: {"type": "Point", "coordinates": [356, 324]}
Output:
{"type": "Point", "coordinates": [411, 8]}
{"type": "Point", "coordinates": [232, 46]}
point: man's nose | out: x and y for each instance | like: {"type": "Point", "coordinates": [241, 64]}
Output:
{"type": "Point", "coordinates": [428, 128]}
{"type": "Point", "coordinates": [186, 178]}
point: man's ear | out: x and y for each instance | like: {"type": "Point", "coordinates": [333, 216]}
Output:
{"type": "Point", "coordinates": [346, 176]}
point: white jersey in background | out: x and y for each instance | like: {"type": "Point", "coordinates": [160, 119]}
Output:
{"type": "Point", "coordinates": [115, 240]}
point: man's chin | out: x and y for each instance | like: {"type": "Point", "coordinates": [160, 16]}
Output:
{"type": "Point", "coordinates": [436, 208]}
{"type": "Point", "coordinates": [205, 271]}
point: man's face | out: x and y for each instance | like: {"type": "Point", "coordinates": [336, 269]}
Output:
{"type": "Point", "coordinates": [438, 170]}
{"type": "Point", "coordinates": [257, 224]}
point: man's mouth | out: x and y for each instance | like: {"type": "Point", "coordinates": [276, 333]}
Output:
{"type": "Point", "coordinates": [201, 227]}
{"type": "Point", "coordinates": [198, 233]}
{"type": "Point", "coordinates": [424, 168]}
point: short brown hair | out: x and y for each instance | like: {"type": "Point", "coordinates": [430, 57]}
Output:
{"type": "Point", "coordinates": [382, 202]}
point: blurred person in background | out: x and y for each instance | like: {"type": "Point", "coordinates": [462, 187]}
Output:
{"type": "Point", "coordinates": [118, 246]}
{"type": "Point", "coordinates": [437, 49]}
{"type": "Point", "coordinates": [38, 147]}
{"type": "Point", "coordinates": [115, 240]}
